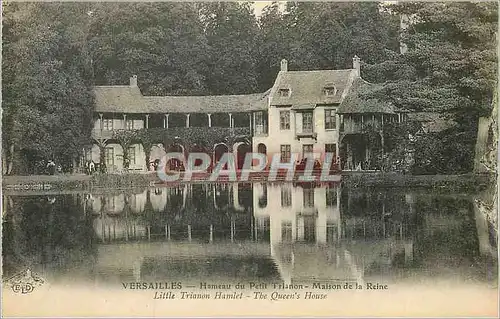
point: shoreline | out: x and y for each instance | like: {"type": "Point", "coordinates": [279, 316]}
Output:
{"type": "Point", "coordinates": [80, 182]}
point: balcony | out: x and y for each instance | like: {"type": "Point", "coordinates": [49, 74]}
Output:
{"type": "Point", "coordinates": [306, 133]}
{"type": "Point", "coordinates": [186, 134]}
{"type": "Point", "coordinates": [308, 211]}
{"type": "Point", "coordinates": [357, 127]}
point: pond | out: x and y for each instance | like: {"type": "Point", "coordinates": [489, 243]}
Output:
{"type": "Point", "coordinates": [281, 233]}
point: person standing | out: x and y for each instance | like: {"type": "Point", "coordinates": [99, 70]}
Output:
{"type": "Point", "coordinates": [51, 166]}
{"type": "Point", "coordinates": [91, 167]}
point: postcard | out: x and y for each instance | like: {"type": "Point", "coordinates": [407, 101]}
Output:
{"type": "Point", "coordinates": [223, 159]}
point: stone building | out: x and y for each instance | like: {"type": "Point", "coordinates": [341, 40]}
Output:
{"type": "Point", "coordinates": [305, 112]}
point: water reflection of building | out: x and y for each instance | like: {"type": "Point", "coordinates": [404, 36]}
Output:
{"type": "Point", "coordinates": [309, 233]}
{"type": "Point", "coordinates": [184, 212]}
{"type": "Point", "coordinates": [243, 232]}
{"type": "Point", "coordinates": [298, 213]}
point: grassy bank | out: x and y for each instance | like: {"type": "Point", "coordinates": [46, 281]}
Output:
{"type": "Point", "coordinates": [470, 183]}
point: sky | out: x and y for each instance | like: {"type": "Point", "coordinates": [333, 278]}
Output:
{"type": "Point", "coordinates": [258, 6]}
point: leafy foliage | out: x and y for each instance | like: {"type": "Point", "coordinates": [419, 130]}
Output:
{"type": "Point", "coordinates": [55, 52]}
{"type": "Point", "coordinates": [449, 68]}
{"type": "Point", "coordinates": [47, 86]}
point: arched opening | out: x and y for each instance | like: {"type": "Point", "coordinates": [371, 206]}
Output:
{"type": "Point", "coordinates": [175, 164]}
{"type": "Point", "coordinates": [199, 148]}
{"type": "Point", "coordinates": [219, 150]}
{"type": "Point", "coordinates": [262, 148]}
{"type": "Point", "coordinates": [241, 151]}
{"type": "Point", "coordinates": [263, 196]}
{"type": "Point", "coordinates": [221, 196]}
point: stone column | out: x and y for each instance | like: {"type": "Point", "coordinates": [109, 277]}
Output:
{"type": "Point", "coordinates": [187, 120]}
{"type": "Point", "coordinates": [165, 120]}
{"type": "Point", "coordinates": [209, 119]}
{"type": "Point", "coordinates": [124, 121]}
{"type": "Point", "coordinates": [230, 120]}
{"type": "Point", "coordinates": [167, 232]}
{"type": "Point", "coordinates": [250, 122]}
{"type": "Point", "coordinates": [253, 126]}
{"type": "Point", "coordinates": [337, 153]}
{"type": "Point", "coordinates": [147, 121]}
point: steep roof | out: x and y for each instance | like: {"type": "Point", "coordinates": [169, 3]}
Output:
{"type": "Point", "coordinates": [203, 104]}
{"type": "Point", "coordinates": [118, 98]}
{"type": "Point", "coordinates": [355, 102]}
{"type": "Point", "coordinates": [128, 99]}
{"type": "Point", "coordinates": [307, 87]}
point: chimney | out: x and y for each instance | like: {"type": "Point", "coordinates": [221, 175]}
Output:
{"type": "Point", "coordinates": [133, 80]}
{"type": "Point", "coordinates": [284, 65]}
{"type": "Point", "coordinates": [356, 65]}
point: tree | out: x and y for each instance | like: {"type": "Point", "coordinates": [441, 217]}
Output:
{"type": "Point", "coordinates": [274, 44]}
{"type": "Point", "coordinates": [162, 43]}
{"type": "Point", "coordinates": [328, 35]}
{"type": "Point", "coordinates": [47, 92]}
{"type": "Point", "coordinates": [232, 34]}
{"type": "Point", "coordinates": [449, 68]}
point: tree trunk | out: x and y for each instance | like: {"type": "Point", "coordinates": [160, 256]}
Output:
{"type": "Point", "coordinates": [125, 156]}
{"type": "Point", "coordinates": [102, 155]}
{"type": "Point", "coordinates": [10, 162]}
{"type": "Point", "coordinates": [147, 151]}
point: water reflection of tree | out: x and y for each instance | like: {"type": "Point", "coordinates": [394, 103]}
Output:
{"type": "Point", "coordinates": [49, 234]}
{"type": "Point", "coordinates": [371, 212]}
{"type": "Point", "coordinates": [448, 230]}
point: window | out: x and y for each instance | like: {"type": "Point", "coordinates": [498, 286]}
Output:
{"type": "Point", "coordinates": [308, 197]}
{"type": "Point", "coordinates": [285, 153]}
{"type": "Point", "coordinates": [286, 196]}
{"type": "Point", "coordinates": [331, 148]}
{"type": "Point", "coordinates": [286, 231]}
{"type": "Point", "coordinates": [284, 92]}
{"type": "Point", "coordinates": [331, 232]}
{"type": "Point", "coordinates": [329, 91]}
{"type": "Point", "coordinates": [131, 155]}
{"type": "Point", "coordinates": [107, 124]}
{"type": "Point", "coordinates": [330, 119]}
{"type": "Point", "coordinates": [259, 123]}
{"type": "Point", "coordinates": [109, 154]}
{"type": "Point", "coordinates": [129, 124]}
{"type": "Point", "coordinates": [284, 120]}
{"type": "Point", "coordinates": [263, 197]}
{"type": "Point", "coordinates": [331, 196]}
{"type": "Point", "coordinates": [307, 150]}
{"type": "Point", "coordinates": [307, 122]}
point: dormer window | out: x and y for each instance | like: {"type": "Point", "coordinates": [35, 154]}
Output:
{"type": "Point", "coordinates": [329, 90]}
{"type": "Point", "coordinates": [284, 92]}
